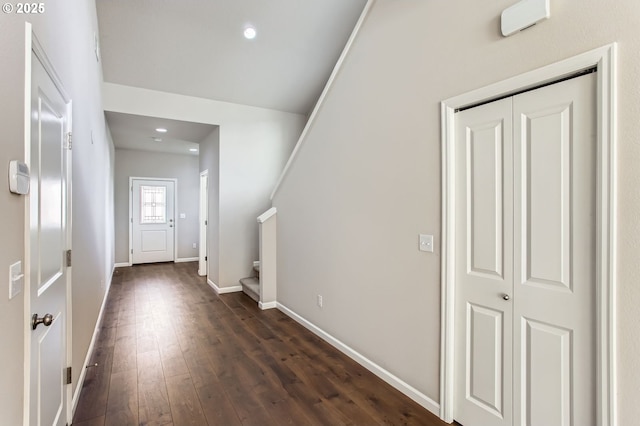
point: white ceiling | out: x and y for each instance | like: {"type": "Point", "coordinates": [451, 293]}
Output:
{"type": "Point", "coordinates": [137, 132]}
{"type": "Point", "coordinates": [196, 47]}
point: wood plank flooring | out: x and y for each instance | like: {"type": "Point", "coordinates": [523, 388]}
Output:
{"type": "Point", "coordinates": [172, 352]}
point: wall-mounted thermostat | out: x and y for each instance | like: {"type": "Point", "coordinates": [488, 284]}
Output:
{"type": "Point", "coordinates": [18, 177]}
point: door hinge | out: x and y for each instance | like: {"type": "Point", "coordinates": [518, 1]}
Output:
{"type": "Point", "coordinates": [205, 258]}
{"type": "Point", "coordinates": [68, 257]}
{"type": "Point", "coordinates": [69, 140]}
{"type": "Point", "coordinates": [131, 251]}
{"type": "Point", "coordinates": [206, 222]}
{"type": "Point", "coordinates": [68, 381]}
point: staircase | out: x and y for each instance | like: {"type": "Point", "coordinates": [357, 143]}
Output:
{"type": "Point", "coordinates": [251, 285]}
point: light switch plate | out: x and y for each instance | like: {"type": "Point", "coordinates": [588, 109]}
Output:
{"type": "Point", "coordinates": [183, 215]}
{"type": "Point", "coordinates": [426, 243]}
{"type": "Point", "coordinates": [16, 279]}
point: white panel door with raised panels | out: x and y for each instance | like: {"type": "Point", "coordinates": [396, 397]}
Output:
{"type": "Point", "coordinates": [484, 244]}
{"type": "Point", "coordinates": [48, 242]}
{"type": "Point", "coordinates": [153, 225]}
{"type": "Point", "coordinates": [525, 256]}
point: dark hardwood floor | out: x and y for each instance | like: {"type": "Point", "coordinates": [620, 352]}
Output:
{"type": "Point", "coordinates": [172, 352]}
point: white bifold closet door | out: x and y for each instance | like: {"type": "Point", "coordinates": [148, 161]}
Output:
{"type": "Point", "coordinates": [525, 259]}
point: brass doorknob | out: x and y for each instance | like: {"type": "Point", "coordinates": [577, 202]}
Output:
{"type": "Point", "coordinates": [47, 320]}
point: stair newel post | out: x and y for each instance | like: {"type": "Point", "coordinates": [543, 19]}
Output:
{"type": "Point", "coordinates": [267, 227]}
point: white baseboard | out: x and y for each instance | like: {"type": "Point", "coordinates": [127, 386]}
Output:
{"type": "Point", "coordinates": [76, 394]}
{"type": "Point", "coordinates": [187, 259]}
{"type": "Point", "coordinates": [223, 290]}
{"type": "Point", "coordinates": [385, 375]}
{"type": "Point", "coordinates": [267, 305]}
{"type": "Point", "coordinates": [122, 265]}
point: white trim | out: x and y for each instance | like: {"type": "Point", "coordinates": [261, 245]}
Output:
{"type": "Point", "coordinates": [604, 59]}
{"type": "Point", "coordinates": [256, 263]}
{"type": "Point", "coordinates": [223, 290]}
{"type": "Point", "coordinates": [606, 239]}
{"type": "Point", "coordinates": [68, 213]}
{"type": "Point", "coordinates": [385, 375]}
{"type": "Point", "coordinates": [122, 265]}
{"type": "Point", "coordinates": [26, 409]}
{"type": "Point", "coordinates": [175, 213]}
{"type": "Point", "coordinates": [96, 332]}
{"type": "Point", "coordinates": [267, 305]}
{"type": "Point", "coordinates": [325, 92]}
{"type": "Point", "coordinates": [266, 215]}
{"type": "Point", "coordinates": [187, 259]}
{"type": "Point", "coordinates": [203, 216]}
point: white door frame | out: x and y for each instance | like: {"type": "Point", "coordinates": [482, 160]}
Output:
{"type": "Point", "coordinates": [175, 214]}
{"type": "Point", "coordinates": [33, 45]}
{"type": "Point", "coordinates": [203, 264]}
{"type": "Point", "coordinates": [604, 59]}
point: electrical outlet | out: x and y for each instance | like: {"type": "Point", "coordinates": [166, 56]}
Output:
{"type": "Point", "coordinates": [194, 245]}
{"type": "Point", "coordinates": [320, 301]}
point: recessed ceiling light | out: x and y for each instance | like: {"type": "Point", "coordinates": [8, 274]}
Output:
{"type": "Point", "coordinates": [161, 130]}
{"type": "Point", "coordinates": [193, 149]}
{"type": "Point", "coordinates": [250, 33]}
{"type": "Point", "coordinates": [157, 139]}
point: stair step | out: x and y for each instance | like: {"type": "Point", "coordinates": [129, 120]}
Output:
{"type": "Point", "coordinates": [251, 287]}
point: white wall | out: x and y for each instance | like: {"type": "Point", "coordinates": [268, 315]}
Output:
{"type": "Point", "coordinates": [66, 31]}
{"type": "Point", "coordinates": [367, 181]}
{"type": "Point", "coordinates": [12, 315]}
{"type": "Point", "coordinates": [184, 168]}
{"type": "Point", "coordinates": [254, 144]}
{"type": "Point", "coordinates": [210, 161]}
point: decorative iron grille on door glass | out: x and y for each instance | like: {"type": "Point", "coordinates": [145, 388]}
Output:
{"type": "Point", "coordinates": [153, 200]}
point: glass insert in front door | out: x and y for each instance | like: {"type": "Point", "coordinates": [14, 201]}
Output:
{"type": "Point", "coordinates": [153, 204]}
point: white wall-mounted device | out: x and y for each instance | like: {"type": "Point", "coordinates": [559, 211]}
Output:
{"type": "Point", "coordinates": [18, 177]}
{"type": "Point", "coordinates": [523, 15]}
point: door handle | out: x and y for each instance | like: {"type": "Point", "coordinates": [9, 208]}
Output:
{"type": "Point", "coordinates": [506, 297]}
{"type": "Point", "coordinates": [47, 320]}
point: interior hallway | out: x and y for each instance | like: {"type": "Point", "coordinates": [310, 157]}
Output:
{"type": "Point", "coordinates": [172, 352]}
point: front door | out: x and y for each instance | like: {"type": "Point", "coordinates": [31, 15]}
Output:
{"type": "Point", "coordinates": [153, 226]}
{"type": "Point", "coordinates": [48, 202]}
{"type": "Point", "coordinates": [526, 250]}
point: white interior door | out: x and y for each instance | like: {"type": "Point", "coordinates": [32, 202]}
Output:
{"type": "Point", "coordinates": [48, 242]}
{"type": "Point", "coordinates": [554, 254]}
{"type": "Point", "coordinates": [525, 256]}
{"type": "Point", "coordinates": [484, 273]}
{"type": "Point", "coordinates": [204, 221]}
{"type": "Point", "coordinates": [153, 224]}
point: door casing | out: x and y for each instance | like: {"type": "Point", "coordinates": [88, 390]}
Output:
{"type": "Point", "coordinates": [604, 59]}
{"type": "Point", "coordinates": [203, 268]}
